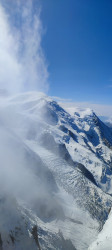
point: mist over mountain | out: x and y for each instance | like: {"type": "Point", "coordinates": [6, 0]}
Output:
{"type": "Point", "coordinates": [55, 163]}
{"type": "Point", "coordinates": [55, 174]}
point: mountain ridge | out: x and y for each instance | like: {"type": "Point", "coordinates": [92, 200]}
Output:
{"type": "Point", "coordinates": [66, 173]}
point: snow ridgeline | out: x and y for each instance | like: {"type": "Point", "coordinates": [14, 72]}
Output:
{"type": "Point", "coordinates": [55, 174]}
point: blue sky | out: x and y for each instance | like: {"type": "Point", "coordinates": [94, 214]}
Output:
{"type": "Point", "coordinates": [78, 47]}
{"type": "Point", "coordinates": [76, 44]}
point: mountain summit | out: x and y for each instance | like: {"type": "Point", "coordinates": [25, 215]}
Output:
{"type": "Point", "coordinates": [55, 174]}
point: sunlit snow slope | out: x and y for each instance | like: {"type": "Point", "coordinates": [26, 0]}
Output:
{"type": "Point", "coordinates": [104, 240]}
{"type": "Point", "coordinates": [55, 172]}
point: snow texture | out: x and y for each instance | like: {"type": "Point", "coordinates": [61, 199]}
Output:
{"type": "Point", "coordinates": [55, 175]}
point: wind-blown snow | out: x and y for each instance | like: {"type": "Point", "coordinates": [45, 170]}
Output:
{"type": "Point", "coordinates": [57, 168]}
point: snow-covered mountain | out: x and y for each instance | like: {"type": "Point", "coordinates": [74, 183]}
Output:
{"type": "Point", "coordinates": [104, 240]}
{"type": "Point", "coordinates": [55, 174]}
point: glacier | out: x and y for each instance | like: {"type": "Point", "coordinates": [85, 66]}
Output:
{"type": "Point", "coordinates": [55, 175]}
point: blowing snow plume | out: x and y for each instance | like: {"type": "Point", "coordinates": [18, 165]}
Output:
{"type": "Point", "coordinates": [27, 185]}
{"type": "Point", "coordinates": [22, 63]}
{"type": "Point", "coordinates": [22, 68]}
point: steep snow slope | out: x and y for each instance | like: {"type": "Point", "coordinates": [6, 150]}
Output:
{"type": "Point", "coordinates": [55, 172]}
{"type": "Point", "coordinates": [97, 137]}
{"type": "Point", "coordinates": [87, 139]}
{"type": "Point", "coordinates": [104, 240]}
{"type": "Point", "coordinates": [15, 227]}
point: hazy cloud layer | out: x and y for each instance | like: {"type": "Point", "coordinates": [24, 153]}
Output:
{"type": "Point", "coordinates": [22, 63]}
{"type": "Point", "coordinates": [99, 109]}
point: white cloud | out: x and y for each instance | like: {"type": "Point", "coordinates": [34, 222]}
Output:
{"type": "Point", "coordinates": [99, 109]}
{"type": "Point", "coordinates": [59, 99]}
{"type": "Point", "coordinates": [22, 63]}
